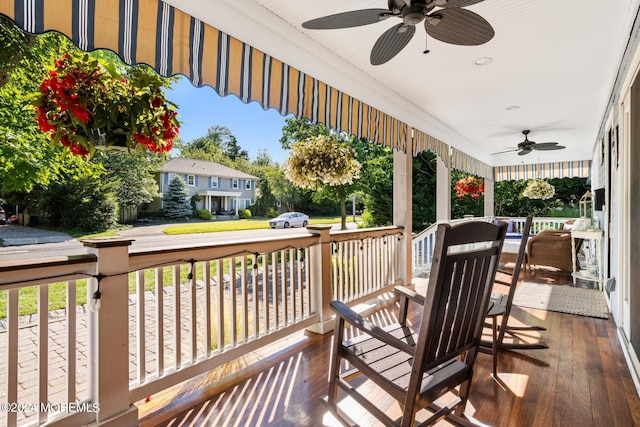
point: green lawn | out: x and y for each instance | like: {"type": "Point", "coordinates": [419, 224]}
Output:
{"type": "Point", "coordinates": [235, 225]}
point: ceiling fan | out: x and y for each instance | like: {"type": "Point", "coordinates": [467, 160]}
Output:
{"type": "Point", "coordinates": [449, 23]}
{"type": "Point", "coordinates": [526, 146]}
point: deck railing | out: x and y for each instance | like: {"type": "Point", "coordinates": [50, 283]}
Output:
{"type": "Point", "coordinates": [424, 241]}
{"type": "Point", "coordinates": [168, 314]}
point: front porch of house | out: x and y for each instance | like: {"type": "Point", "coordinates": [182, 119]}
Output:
{"type": "Point", "coordinates": [173, 325]}
{"type": "Point", "coordinates": [581, 379]}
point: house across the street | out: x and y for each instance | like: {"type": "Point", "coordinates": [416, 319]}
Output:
{"type": "Point", "coordinates": [222, 190]}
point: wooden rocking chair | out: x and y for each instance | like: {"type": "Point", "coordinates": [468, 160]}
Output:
{"type": "Point", "coordinates": [417, 369]}
{"type": "Point", "coordinates": [506, 302]}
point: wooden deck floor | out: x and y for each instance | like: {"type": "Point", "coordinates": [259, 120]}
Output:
{"type": "Point", "coordinates": [580, 380]}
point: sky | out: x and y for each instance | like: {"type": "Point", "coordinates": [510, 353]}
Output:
{"type": "Point", "coordinates": [202, 108]}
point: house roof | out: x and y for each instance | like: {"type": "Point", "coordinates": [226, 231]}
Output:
{"type": "Point", "coordinates": [201, 167]}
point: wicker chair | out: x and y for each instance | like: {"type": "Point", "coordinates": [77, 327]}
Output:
{"type": "Point", "coordinates": [551, 248]}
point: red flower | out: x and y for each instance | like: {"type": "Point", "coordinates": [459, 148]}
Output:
{"type": "Point", "coordinates": [80, 98]}
{"type": "Point", "coordinates": [469, 186]}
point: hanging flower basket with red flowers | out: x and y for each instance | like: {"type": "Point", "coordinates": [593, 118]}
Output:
{"type": "Point", "coordinates": [469, 186]}
{"type": "Point", "coordinates": [87, 105]}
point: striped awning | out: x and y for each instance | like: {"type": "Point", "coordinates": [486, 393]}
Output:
{"type": "Point", "coordinates": [575, 169]}
{"type": "Point", "coordinates": [464, 162]}
{"type": "Point", "coordinates": [172, 42]}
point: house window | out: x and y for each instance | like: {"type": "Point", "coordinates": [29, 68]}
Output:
{"type": "Point", "coordinates": [214, 182]}
{"type": "Point", "coordinates": [245, 203]}
{"type": "Point", "coordinates": [247, 185]}
{"type": "Point", "coordinates": [191, 180]}
{"type": "Point", "coordinates": [235, 184]}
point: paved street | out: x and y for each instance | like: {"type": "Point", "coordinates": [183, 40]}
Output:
{"type": "Point", "coordinates": [26, 242]}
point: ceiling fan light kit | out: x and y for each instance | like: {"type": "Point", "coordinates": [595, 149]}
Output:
{"type": "Point", "coordinates": [450, 23]}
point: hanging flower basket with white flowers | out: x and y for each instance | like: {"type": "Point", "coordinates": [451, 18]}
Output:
{"type": "Point", "coordinates": [539, 189]}
{"type": "Point", "coordinates": [321, 160]}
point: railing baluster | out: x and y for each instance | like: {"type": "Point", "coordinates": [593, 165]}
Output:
{"type": "Point", "coordinates": [292, 284]}
{"type": "Point", "coordinates": [256, 301]}
{"type": "Point", "coordinates": [177, 317]}
{"type": "Point", "coordinates": [207, 308]}
{"type": "Point", "coordinates": [234, 301]}
{"type": "Point", "coordinates": [141, 344]}
{"type": "Point", "coordinates": [12, 353]}
{"type": "Point", "coordinates": [265, 293]}
{"type": "Point", "coordinates": [43, 348]}
{"type": "Point", "coordinates": [71, 340]}
{"type": "Point", "coordinates": [193, 313]}
{"type": "Point", "coordinates": [244, 286]}
{"type": "Point", "coordinates": [159, 321]}
{"type": "Point", "coordinates": [220, 304]}
{"type": "Point", "coordinates": [274, 289]}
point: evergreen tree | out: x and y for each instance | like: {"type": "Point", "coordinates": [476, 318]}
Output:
{"type": "Point", "coordinates": [176, 200]}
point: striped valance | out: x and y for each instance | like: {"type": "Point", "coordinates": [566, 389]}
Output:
{"type": "Point", "coordinates": [464, 162]}
{"type": "Point", "coordinates": [425, 142]}
{"type": "Point", "coordinates": [574, 169]}
{"type": "Point", "coordinates": [172, 42]}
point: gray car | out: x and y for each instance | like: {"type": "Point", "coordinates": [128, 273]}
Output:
{"type": "Point", "coordinates": [289, 219]}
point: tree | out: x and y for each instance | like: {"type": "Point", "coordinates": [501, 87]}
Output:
{"type": "Point", "coordinates": [176, 200]}
{"type": "Point", "coordinates": [284, 190]}
{"type": "Point", "coordinates": [296, 130]}
{"type": "Point", "coordinates": [323, 164]}
{"type": "Point", "coordinates": [210, 147]}
{"type": "Point", "coordinates": [132, 174]}
{"type": "Point", "coordinates": [232, 149]}
{"type": "Point", "coordinates": [88, 204]}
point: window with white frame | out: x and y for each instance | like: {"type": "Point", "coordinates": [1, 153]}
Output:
{"type": "Point", "coordinates": [191, 180]}
{"type": "Point", "coordinates": [235, 184]}
{"type": "Point", "coordinates": [247, 184]}
{"type": "Point", "coordinates": [214, 181]}
{"type": "Point", "coordinates": [245, 203]}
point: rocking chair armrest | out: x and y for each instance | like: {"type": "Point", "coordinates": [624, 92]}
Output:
{"type": "Point", "coordinates": [404, 292]}
{"type": "Point", "coordinates": [353, 318]}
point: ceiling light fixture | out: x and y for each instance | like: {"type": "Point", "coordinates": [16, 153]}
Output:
{"type": "Point", "coordinates": [485, 60]}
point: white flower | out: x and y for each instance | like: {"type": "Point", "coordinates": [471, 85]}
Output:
{"type": "Point", "coordinates": [321, 159]}
{"type": "Point", "coordinates": [539, 189]}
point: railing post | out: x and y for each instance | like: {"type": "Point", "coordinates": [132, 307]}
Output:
{"type": "Point", "coordinates": [320, 278]}
{"type": "Point", "coordinates": [109, 334]}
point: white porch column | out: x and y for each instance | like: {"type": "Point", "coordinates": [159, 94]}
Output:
{"type": "Point", "coordinates": [403, 207]}
{"type": "Point", "coordinates": [443, 191]}
{"type": "Point", "coordinates": [109, 334]}
{"type": "Point", "coordinates": [488, 197]}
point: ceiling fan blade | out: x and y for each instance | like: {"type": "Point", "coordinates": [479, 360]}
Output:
{"type": "Point", "coordinates": [458, 26]}
{"type": "Point", "coordinates": [390, 43]}
{"type": "Point", "coordinates": [351, 19]}
{"type": "Point", "coordinates": [543, 147]}
{"type": "Point", "coordinates": [460, 3]}
{"type": "Point", "coordinates": [506, 151]}
{"type": "Point", "coordinates": [524, 152]}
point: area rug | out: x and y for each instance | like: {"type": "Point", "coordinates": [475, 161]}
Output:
{"type": "Point", "coordinates": [563, 299]}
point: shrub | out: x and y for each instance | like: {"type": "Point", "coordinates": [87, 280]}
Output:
{"type": "Point", "coordinates": [244, 214]}
{"type": "Point", "coordinates": [87, 204]}
{"type": "Point", "coordinates": [272, 213]}
{"type": "Point", "coordinates": [204, 214]}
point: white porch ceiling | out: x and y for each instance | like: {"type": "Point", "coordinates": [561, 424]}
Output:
{"type": "Point", "coordinates": [555, 60]}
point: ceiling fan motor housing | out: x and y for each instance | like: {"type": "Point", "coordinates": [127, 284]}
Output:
{"type": "Point", "coordinates": [413, 15]}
